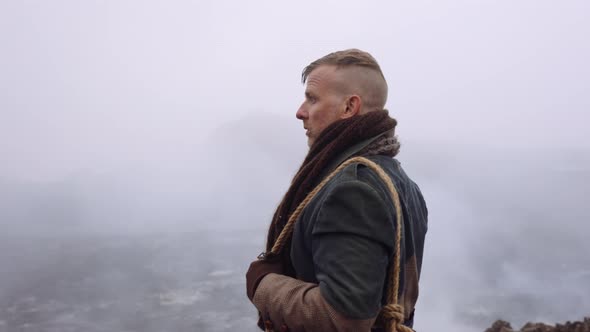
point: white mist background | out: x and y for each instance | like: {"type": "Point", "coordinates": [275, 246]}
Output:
{"type": "Point", "coordinates": [132, 117]}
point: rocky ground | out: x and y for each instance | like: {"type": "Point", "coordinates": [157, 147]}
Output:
{"type": "Point", "coordinates": [580, 326]}
{"type": "Point", "coordinates": [124, 284]}
{"type": "Point", "coordinates": [191, 282]}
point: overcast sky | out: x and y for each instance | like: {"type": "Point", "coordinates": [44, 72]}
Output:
{"type": "Point", "coordinates": [152, 111]}
{"type": "Point", "coordinates": [97, 85]}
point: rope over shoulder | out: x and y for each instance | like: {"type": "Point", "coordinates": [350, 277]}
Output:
{"type": "Point", "coordinates": [392, 313]}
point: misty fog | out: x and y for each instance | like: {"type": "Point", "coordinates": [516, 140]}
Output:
{"type": "Point", "coordinates": [144, 146]}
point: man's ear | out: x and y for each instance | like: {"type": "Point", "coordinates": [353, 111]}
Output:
{"type": "Point", "coordinates": [352, 107]}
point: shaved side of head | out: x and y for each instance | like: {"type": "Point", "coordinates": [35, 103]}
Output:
{"type": "Point", "coordinates": [358, 73]}
{"type": "Point", "coordinates": [366, 83]}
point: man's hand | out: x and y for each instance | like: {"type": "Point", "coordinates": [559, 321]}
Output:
{"type": "Point", "coordinates": [260, 268]}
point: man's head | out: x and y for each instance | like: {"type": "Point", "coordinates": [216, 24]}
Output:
{"type": "Point", "coordinates": [340, 85]}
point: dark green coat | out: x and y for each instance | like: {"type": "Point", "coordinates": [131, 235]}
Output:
{"type": "Point", "coordinates": [344, 239]}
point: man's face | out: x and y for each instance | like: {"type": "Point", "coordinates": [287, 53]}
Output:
{"type": "Point", "coordinates": [324, 103]}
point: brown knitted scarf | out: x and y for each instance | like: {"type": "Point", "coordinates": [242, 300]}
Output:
{"type": "Point", "coordinates": [333, 141]}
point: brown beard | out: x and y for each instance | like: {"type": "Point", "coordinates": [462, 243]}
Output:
{"type": "Point", "coordinates": [333, 141]}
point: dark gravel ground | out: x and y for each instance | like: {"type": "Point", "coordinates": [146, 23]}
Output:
{"type": "Point", "coordinates": [190, 282]}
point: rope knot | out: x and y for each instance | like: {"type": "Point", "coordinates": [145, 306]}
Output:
{"type": "Point", "coordinates": [393, 317]}
{"type": "Point", "coordinates": [393, 313]}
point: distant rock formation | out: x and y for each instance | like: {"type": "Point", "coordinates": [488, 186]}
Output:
{"type": "Point", "coordinates": [502, 326]}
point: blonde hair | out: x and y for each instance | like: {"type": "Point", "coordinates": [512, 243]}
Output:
{"type": "Point", "coordinates": [342, 59]}
{"type": "Point", "coordinates": [371, 83]}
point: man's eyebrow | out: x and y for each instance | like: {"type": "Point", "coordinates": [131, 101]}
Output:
{"type": "Point", "coordinates": [308, 94]}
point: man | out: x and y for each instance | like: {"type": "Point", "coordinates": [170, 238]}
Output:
{"type": "Point", "coordinates": [332, 275]}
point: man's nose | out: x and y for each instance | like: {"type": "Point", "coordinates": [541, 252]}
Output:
{"type": "Point", "coordinates": [301, 113]}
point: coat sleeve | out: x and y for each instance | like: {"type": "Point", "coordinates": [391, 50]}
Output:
{"type": "Point", "coordinates": [351, 246]}
{"type": "Point", "coordinates": [299, 306]}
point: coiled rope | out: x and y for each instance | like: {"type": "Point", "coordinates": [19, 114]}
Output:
{"type": "Point", "coordinates": [391, 314]}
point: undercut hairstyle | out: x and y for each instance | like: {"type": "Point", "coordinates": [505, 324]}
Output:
{"type": "Point", "coordinates": [366, 80]}
{"type": "Point", "coordinates": [342, 59]}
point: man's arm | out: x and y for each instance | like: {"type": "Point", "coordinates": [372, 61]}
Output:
{"type": "Point", "coordinates": [300, 306]}
{"type": "Point", "coordinates": [351, 243]}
